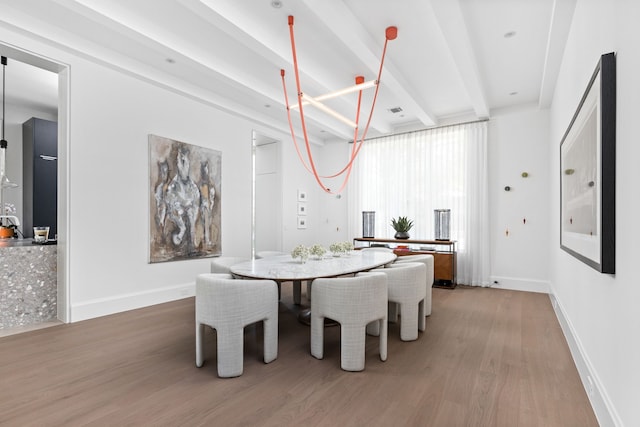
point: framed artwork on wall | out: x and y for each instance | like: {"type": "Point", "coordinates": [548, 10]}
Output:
{"type": "Point", "coordinates": [302, 222]}
{"type": "Point", "coordinates": [588, 173]}
{"type": "Point", "coordinates": [184, 200]}
{"type": "Point", "coordinates": [302, 208]}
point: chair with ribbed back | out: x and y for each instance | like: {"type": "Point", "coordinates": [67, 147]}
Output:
{"type": "Point", "coordinates": [222, 264]}
{"type": "Point", "coordinates": [406, 289]}
{"type": "Point", "coordinates": [428, 261]}
{"type": "Point", "coordinates": [353, 302]}
{"type": "Point", "coordinates": [228, 305]}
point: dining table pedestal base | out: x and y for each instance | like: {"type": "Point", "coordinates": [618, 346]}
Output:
{"type": "Point", "coordinates": [304, 316]}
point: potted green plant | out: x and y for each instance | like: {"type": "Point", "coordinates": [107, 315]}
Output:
{"type": "Point", "coordinates": [402, 225]}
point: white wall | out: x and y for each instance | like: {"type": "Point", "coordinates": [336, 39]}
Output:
{"type": "Point", "coordinates": [599, 311]}
{"type": "Point", "coordinates": [518, 142]}
{"type": "Point", "coordinates": [110, 117]}
{"type": "Point", "coordinates": [319, 203]}
{"type": "Point", "coordinates": [333, 221]}
{"type": "Point", "coordinates": [268, 197]}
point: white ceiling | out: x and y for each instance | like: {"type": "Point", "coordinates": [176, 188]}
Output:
{"type": "Point", "coordinates": [453, 60]}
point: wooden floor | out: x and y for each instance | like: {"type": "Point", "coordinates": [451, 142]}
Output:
{"type": "Point", "coordinates": [488, 358]}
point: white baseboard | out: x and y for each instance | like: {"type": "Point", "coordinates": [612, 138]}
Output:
{"type": "Point", "coordinates": [600, 402]}
{"type": "Point", "coordinates": [119, 303]}
{"type": "Point", "coordinates": [516, 284]}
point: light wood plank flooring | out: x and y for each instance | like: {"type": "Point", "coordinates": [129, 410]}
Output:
{"type": "Point", "coordinates": [488, 358]}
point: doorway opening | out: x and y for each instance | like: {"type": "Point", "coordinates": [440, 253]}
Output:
{"type": "Point", "coordinates": [267, 194]}
{"type": "Point", "coordinates": [42, 89]}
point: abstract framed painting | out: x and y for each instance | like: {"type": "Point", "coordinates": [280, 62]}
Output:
{"type": "Point", "coordinates": [185, 195]}
{"type": "Point", "coordinates": [588, 173]}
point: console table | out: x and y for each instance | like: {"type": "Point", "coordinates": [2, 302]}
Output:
{"type": "Point", "coordinates": [443, 251]}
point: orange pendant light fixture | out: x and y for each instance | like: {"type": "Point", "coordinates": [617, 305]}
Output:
{"type": "Point", "coordinates": [317, 101]}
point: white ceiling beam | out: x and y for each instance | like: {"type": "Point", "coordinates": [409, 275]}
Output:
{"type": "Point", "coordinates": [66, 40]}
{"type": "Point", "coordinates": [561, 17]}
{"type": "Point", "coordinates": [454, 29]}
{"type": "Point", "coordinates": [252, 37]}
{"type": "Point", "coordinates": [348, 29]}
{"type": "Point", "coordinates": [157, 39]}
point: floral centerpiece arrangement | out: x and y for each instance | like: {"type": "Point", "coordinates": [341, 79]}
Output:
{"type": "Point", "coordinates": [336, 249]}
{"type": "Point", "coordinates": [340, 248]}
{"type": "Point", "coordinates": [301, 252]}
{"type": "Point", "coordinates": [317, 251]}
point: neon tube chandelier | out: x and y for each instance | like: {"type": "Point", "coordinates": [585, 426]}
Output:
{"type": "Point", "coordinates": [304, 99]}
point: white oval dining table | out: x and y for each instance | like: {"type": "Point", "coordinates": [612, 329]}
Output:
{"type": "Point", "coordinates": [283, 268]}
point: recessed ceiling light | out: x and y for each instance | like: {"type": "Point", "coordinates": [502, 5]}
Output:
{"type": "Point", "coordinates": [170, 60]}
{"type": "Point", "coordinates": [267, 105]}
{"type": "Point", "coordinates": [395, 110]}
{"type": "Point", "coordinates": [509, 34]}
{"type": "Point", "coordinates": [276, 4]}
{"type": "Point", "coordinates": [513, 93]}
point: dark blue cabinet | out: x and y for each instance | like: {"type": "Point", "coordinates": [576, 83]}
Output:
{"type": "Point", "coordinates": [40, 175]}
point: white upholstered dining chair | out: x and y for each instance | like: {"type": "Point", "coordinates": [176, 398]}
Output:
{"type": "Point", "coordinates": [407, 291]}
{"type": "Point", "coordinates": [428, 261]}
{"type": "Point", "coordinates": [353, 302]}
{"type": "Point", "coordinates": [228, 305]}
{"type": "Point", "coordinates": [222, 264]}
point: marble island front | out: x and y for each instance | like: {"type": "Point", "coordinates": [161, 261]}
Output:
{"type": "Point", "coordinates": [28, 283]}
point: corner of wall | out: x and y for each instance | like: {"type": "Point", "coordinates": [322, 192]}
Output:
{"type": "Point", "coordinates": [519, 284]}
{"type": "Point", "coordinates": [600, 401]}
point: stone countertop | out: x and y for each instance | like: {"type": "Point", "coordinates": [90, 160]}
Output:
{"type": "Point", "coordinates": [17, 243]}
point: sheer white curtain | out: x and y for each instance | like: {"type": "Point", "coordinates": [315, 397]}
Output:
{"type": "Point", "coordinates": [411, 174]}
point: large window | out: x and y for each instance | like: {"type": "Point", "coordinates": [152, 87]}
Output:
{"type": "Point", "coordinates": [411, 174]}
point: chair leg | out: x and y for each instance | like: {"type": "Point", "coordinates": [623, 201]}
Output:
{"type": "Point", "coordinates": [317, 335]}
{"type": "Point", "coordinates": [422, 321]}
{"type": "Point", "coordinates": [297, 292]}
{"type": "Point", "coordinates": [383, 339]}
{"type": "Point", "coordinates": [394, 311]}
{"type": "Point", "coordinates": [409, 322]}
{"type": "Point", "coordinates": [352, 347]}
{"type": "Point", "coordinates": [279, 292]}
{"type": "Point", "coordinates": [373, 328]}
{"type": "Point", "coordinates": [271, 339]}
{"type": "Point", "coordinates": [199, 344]}
{"type": "Point", "coordinates": [230, 352]}
{"type": "Point", "coordinates": [428, 302]}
